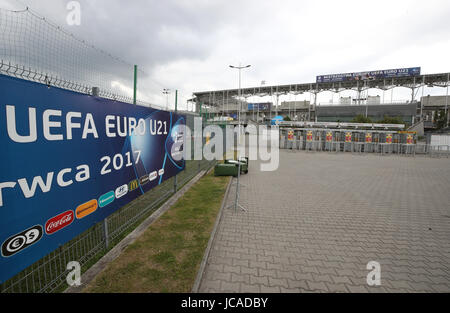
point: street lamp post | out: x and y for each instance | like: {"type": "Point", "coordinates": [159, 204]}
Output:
{"type": "Point", "coordinates": [446, 102]}
{"type": "Point", "coordinates": [236, 202]}
{"type": "Point", "coordinates": [167, 92]}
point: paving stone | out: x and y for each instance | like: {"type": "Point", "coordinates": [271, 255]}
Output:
{"type": "Point", "coordinates": [281, 282]}
{"type": "Point", "coordinates": [266, 289]}
{"type": "Point", "coordinates": [322, 217]}
{"type": "Point", "coordinates": [260, 280]}
{"type": "Point", "coordinates": [247, 288]}
{"type": "Point", "coordinates": [318, 286]}
{"type": "Point", "coordinates": [229, 287]}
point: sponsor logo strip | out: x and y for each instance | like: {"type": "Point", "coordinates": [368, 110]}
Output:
{"type": "Point", "coordinates": [133, 185]}
{"type": "Point", "coordinates": [121, 191]}
{"type": "Point", "coordinates": [86, 208]}
{"type": "Point", "coordinates": [143, 180]}
{"type": "Point", "coordinates": [153, 176]}
{"type": "Point", "coordinates": [59, 222]}
{"type": "Point", "coordinates": [106, 199]}
{"type": "Point", "coordinates": [20, 241]}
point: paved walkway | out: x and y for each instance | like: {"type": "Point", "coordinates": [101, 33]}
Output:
{"type": "Point", "coordinates": [315, 223]}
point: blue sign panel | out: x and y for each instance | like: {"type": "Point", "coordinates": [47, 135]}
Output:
{"type": "Point", "coordinates": [403, 72]}
{"type": "Point", "coordinates": [69, 160]}
{"type": "Point", "coordinates": [259, 106]}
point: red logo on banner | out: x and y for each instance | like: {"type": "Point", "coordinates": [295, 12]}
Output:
{"type": "Point", "coordinates": [369, 138]}
{"type": "Point", "coordinates": [58, 222]}
{"type": "Point", "coordinates": [309, 136]}
{"type": "Point", "coordinates": [329, 137]}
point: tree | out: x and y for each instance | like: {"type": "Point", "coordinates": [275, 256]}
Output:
{"type": "Point", "coordinates": [287, 118]}
{"type": "Point", "coordinates": [361, 119]}
{"type": "Point", "coordinates": [391, 120]}
{"type": "Point", "coordinates": [440, 119]}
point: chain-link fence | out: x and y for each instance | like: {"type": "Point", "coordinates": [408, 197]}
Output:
{"type": "Point", "coordinates": [34, 48]}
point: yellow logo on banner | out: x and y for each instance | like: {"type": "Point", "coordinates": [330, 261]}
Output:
{"type": "Point", "coordinates": [309, 136]}
{"type": "Point", "coordinates": [369, 138]}
{"type": "Point", "coordinates": [329, 137]}
{"type": "Point", "coordinates": [133, 185]}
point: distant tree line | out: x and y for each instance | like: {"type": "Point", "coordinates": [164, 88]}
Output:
{"type": "Point", "coordinates": [386, 120]}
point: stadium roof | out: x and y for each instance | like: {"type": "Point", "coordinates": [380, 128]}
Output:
{"type": "Point", "coordinates": [432, 80]}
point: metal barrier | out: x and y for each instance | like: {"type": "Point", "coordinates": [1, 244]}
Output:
{"type": "Point", "coordinates": [380, 142]}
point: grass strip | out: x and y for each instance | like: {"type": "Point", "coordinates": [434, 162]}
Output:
{"type": "Point", "coordinates": [167, 256]}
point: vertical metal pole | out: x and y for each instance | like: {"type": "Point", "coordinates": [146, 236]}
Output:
{"type": "Point", "coordinates": [276, 105]}
{"type": "Point", "coordinates": [201, 135]}
{"type": "Point", "coordinates": [176, 109]}
{"type": "Point", "coordinates": [392, 91]}
{"type": "Point", "coordinates": [176, 101]}
{"type": "Point", "coordinates": [358, 93]}
{"type": "Point", "coordinates": [446, 101]}
{"type": "Point", "coordinates": [257, 114]}
{"type": "Point", "coordinates": [239, 142]}
{"type": "Point", "coordinates": [105, 232]}
{"type": "Point", "coordinates": [135, 84]}
{"type": "Point", "coordinates": [421, 100]}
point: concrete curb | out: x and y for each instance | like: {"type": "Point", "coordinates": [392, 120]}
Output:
{"type": "Point", "coordinates": [98, 267]}
{"type": "Point", "coordinates": [202, 268]}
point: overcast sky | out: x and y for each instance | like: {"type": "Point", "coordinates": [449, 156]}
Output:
{"type": "Point", "coordinates": [188, 45]}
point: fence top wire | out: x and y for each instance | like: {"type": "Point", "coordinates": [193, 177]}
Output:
{"type": "Point", "coordinates": [32, 44]}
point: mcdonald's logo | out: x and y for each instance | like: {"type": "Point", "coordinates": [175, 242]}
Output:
{"type": "Point", "coordinates": [133, 185]}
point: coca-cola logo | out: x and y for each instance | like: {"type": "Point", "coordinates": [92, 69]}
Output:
{"type": "Point", "coordinates": [59, 222]}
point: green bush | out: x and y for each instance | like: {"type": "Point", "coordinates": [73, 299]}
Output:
{"type": "Point", "coordinates": [391, 120]}
{"type": "Point", "coordinates": [361, 119]}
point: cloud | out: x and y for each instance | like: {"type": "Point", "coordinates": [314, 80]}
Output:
{"type": "Point", "coordinates": [188, 44]}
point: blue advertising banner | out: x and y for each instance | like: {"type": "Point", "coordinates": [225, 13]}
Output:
{"type": "Point", "coordinates": [402, 72]}
{"type": "Point", "coordinates": [259, 106]}
{"type": "Point", "coordinates": [69, 160]}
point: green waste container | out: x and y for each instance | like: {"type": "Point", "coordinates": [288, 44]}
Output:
{"type": "Point", "coordinates": [226, 170]}
{"type": "Point", "coordinates": [244, 159]}
{"type": "Point", "coordinates": [244, 165]}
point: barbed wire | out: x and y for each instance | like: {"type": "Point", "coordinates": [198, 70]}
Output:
{"type": "Point", "coordinates": [35, 48]}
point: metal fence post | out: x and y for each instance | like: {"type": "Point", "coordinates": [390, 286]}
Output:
{"type": "Point", "coordinates": [135, 84]}
{"type": "Point", "coordinates": [176, 109]}
{"type": "Point", "coordinates": [105, 232]}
